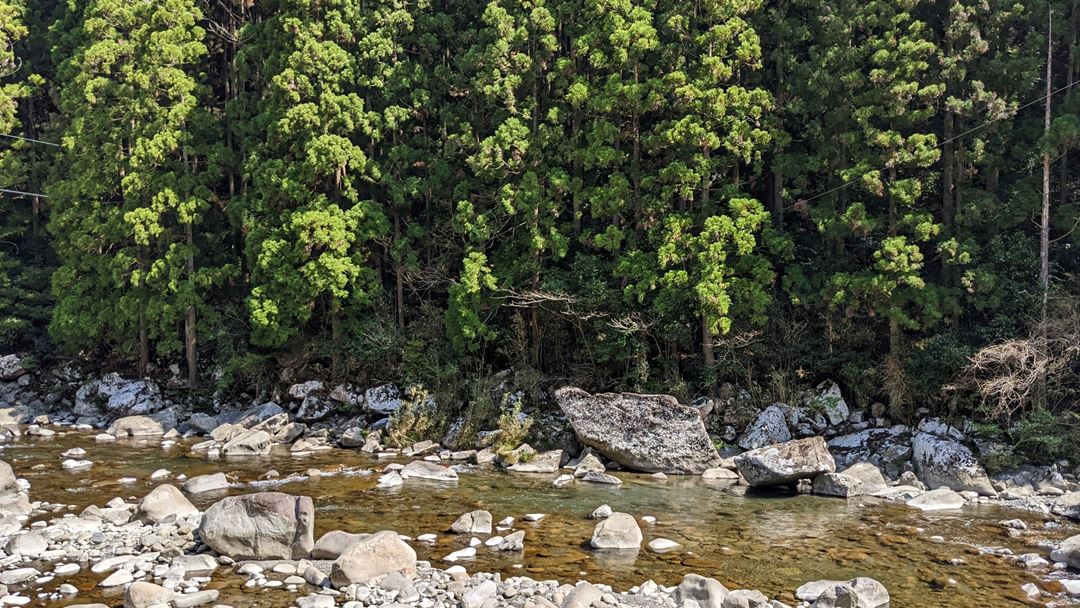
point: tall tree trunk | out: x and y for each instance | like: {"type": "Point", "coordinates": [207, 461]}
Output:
{"type": "Point", "coordinates": [335, 337]}
{"type": "Point", "coordinates": [144, 342]}
{"type": "Point", "coordinates": [190, 323]}
{"type": "Point", "coordinates": [399, 276]}
{"type": "Point", "coordinates": [709, 355]}
{"type": "Point", "coordinates": [1044, 229]}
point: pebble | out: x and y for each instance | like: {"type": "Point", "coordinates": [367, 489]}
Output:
{"type": "Point", "coordinates": [534, 516]}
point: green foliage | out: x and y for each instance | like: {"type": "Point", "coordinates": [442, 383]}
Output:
{"type": "Point", "coordinates": [623, 194]}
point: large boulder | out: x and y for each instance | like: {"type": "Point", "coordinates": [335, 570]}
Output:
{"type": "Point", "coordinates": [617, 531]}
{"type": "Point", "coordinates": [652, 433]}
{"type": "Point", "coordinates": [785, 463]}
{"type": "Point", "coordinates": [942, 462]}
{"type": "Point", "coordinates": [377, 555]}
{"type": "Point", "coordinates": [265, 525]}
{"type": "Point", "coordinates": [768, 427]}
{"type": "Point", "coordinates": [164, 503]}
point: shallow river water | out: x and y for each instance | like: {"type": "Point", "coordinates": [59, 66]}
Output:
{"type": "Point", "coordinates": [769, 542]}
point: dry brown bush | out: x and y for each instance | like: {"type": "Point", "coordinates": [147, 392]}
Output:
{"type": "Point", "coordinates": [1007, 377]}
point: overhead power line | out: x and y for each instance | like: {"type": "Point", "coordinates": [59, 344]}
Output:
{"type": "Point", "coordinates": [23, 193]}
{"type": "Point", "coordinates": [30, 139]}
{"type": "Point", "coordinates": [1041, 99]}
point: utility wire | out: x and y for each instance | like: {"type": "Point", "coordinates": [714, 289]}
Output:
{"type": "Point", "coordinates": [23, 193]}
{"type": "Point", "coordinates": [36, 141]}
{"type": "Point", "coordinates": [1041, 99]}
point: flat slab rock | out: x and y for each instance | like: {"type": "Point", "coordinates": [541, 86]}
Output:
{"type": "Point", "coordinates": [651, 433]}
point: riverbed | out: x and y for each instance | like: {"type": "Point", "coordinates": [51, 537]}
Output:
{"type": "Point", "coordinates": [773, 542]}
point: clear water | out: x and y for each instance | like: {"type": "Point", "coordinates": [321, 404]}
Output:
{"type": "Point", "coordinates": [771, 542]}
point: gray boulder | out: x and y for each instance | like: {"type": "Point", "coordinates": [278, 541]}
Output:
{"type": "Point", "coordinates": [768, 427]}
{"type": "Point", "coordinates": [785, 463]}
{"type": "Point", "coordinates": [618, 531]}
{"type": "Point", "coordinates": [377, 555]}
{"type": "Point", "coordinates": [652, 433]}
{"type": "Point", "coordinates": [265, 525]}
{"type": "Point", "coordinates": [941, 462]}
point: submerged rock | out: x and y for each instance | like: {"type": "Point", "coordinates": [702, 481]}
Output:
{"type": "Point", "coordinates": [785, 463]}
{"type": "Point", "coordinates": [265, 525]}
{"type": "Point", "coordinates": [652, 433]}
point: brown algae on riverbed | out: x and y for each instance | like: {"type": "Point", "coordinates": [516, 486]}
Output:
{"type": "Point", "coordinates": [771, 542]}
